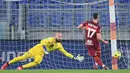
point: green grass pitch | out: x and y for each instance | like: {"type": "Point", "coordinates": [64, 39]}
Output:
{"type": "Point", "coordinates": [66, 71]}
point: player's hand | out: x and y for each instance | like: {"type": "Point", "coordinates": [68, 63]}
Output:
{"type": "Point", "coordinates": [79, 58]}
{"type": "Point", "coordinates": [106, 42]}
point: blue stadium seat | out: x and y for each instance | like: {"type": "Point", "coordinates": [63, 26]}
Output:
{"type": "Point", "coordinates": [79, 18]}
{"type": "Point", "coordinates": [36, 19]}
{"type": "Point", "coordinates": [3, 12]}
{"type": "Point", "coordinates": [67, 19]}
{"type": "Point", "coordinates": [24, 1]}
{"type": "Point", "coordinates": [123, 1]}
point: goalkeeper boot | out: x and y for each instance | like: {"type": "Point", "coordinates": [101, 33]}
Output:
{"type": "Point", "coordinates": [4, 66]}
{"type": "Point", "coordinates": [20, 68]}
{"type": "Point", "coordinates": [95, 67]}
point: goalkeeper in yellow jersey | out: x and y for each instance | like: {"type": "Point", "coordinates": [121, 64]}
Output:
{"type": "Point", "coordinates": [38, 51]}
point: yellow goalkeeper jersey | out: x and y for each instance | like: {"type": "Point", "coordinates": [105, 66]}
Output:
{"type": "Point", "coordinates": [49, 44]}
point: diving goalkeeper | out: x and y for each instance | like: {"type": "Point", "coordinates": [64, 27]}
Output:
{"type": "Point", "coordinates": [38, 51]}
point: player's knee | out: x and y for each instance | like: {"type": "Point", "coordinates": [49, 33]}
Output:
{"type": "Point", "coordinates": [96, 57]}
{"type": "Point", "coordinates": [99, 54]}
{"type": "Point", "coordinates": [37, 62]}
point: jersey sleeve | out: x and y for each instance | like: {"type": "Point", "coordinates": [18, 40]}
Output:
{"type": "Point", "coordinates": [62, 50]}
{"type": "Point", "coordinates": [99, 29]}
{"type": "Point", "coordinates": [44, 42]}
{"type": "Point", "coordinates": [47, 41]}
{"type": "Point", "coordinates": [85, 23]}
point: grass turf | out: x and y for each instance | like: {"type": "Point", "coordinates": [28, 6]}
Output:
{"type": "Point", "coordinates": [66, 71]}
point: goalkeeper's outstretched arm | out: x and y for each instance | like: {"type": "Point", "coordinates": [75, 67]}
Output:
{"type": "Point", "coordinates": [79, 58]}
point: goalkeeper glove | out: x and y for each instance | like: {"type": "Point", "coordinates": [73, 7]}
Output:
{"type": "Point", "coordinates": [79, 58]}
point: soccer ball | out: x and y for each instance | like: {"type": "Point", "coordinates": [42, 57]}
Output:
{"type": "Point", "coordinates": [117, 55]}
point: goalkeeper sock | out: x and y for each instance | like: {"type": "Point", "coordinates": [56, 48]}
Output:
{"type": "Point", "coordinates": [19, 58]}
{"type": "Point", "coordinates": [14, 60]}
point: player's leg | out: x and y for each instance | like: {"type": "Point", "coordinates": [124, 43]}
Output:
{"type": "Point", "coordinates": [37, 60]}
{"type": "Point", "coordinates": [38, 54]}
{"type": "Point", "coordinates": [95, 52]}
{"type": "Point", "coordinates": [19, 58]}
{"type": "Point", "coordinates": [91, 52]}
{"type": "Point", "coordinates": [98, 61]}
{"type": "Point", "coordinates": [98, 54]}
{"type": "Point", "coordinates": [97, 58]}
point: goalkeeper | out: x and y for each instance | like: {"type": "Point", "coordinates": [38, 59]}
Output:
{"type": "Point", "coordinates": [38, 51]}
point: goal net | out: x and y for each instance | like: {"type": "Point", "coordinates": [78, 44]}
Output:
{"type": "Point", "coordinates": [123, 33]}
{"type": "Point", "coordinates": [29, 22]}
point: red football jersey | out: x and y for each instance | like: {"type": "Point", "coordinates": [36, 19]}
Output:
{"type": "Point", "coordinates": [91, 29]}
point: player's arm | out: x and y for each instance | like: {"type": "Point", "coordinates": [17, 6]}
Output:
{"type": "Point", "coordinates": [62, 50]}
{"type": "Point", "coordinates": [44, 42]}
{"type": "Point", "coordinates": [99, 37]}
{"type": "Point", "coordinates": [82, 25]}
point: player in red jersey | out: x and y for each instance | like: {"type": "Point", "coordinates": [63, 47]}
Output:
{"type": "Point", "coordinates": [92, 38]}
